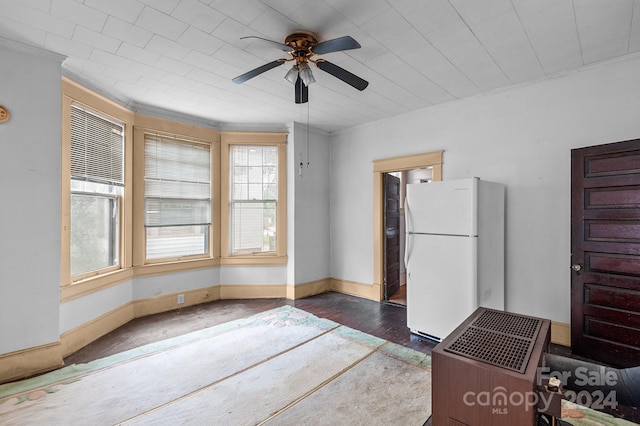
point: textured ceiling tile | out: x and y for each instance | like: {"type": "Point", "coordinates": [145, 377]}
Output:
{"type": "Point", "coordinates": [427, 60]}
{"type": "Point", "coordinates": [48, 23]}
{"type": "Point", "coordinates": [160, 23]}
{"type": "Point", "coordinates": [474, 12]}
{"type": "Point", "coordinates": [514, 55]}
{"type": "Point", "coordinates": [231, 30]}
{"type": "Point", "coordinates": [285, 7]}
{"type": "Point", "coordinates": [551, 30]}
{"type": "Point", "coordinates": [96, 40]}
{"type": "Point", "coordinates": [272, 25]}
{"type": "Point", "coordinates": [74, 11]}
{"type": "Point", "coordinates": [315, 16]}
{"type": "Point", "coordinates": [124, 31]}
{"type": "Point", "coordinates": [458, 44]}
{"type": "Point", "coordinates": [359, 12]}
{"type": "Point", "coordinates": [172, 49]}
{"type": "Point", "coordinates": [386, 25]}
{"type": "Point", "coordinates": [109, 60]}
{"type": "Point", "coordinates": [137, 54]}
{"type": "Point", "coordinates": [244, 11]}
{"type": "Point", "coordinates": [198, 15]}
{"type": "Point", "coordinates": [175, 67]}
{"type": "Point", "coordinates": [126, 10]}
{"type": "Point", "coordinates": [603, 30]}
{"type": "Point", "coordinates": [148, 70]}
{"type": "Point", "coordinates": [164, 6]}
{"type": "Point", "coordinates": [434, 15]}
{"type": "Point", "coordinates": [201, 41]}
{"type": "Point", "coordinates": [67, 47]}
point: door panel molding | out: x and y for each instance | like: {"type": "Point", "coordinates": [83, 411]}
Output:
{"type": "Point", "coordinates": [605, 250]}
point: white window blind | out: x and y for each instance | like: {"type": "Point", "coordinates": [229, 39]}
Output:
{"type": "Point", "coordinates": [254, 198]}
{"type": "Point", "coordinates": [97, 148]}
{"type": "Point", "coordinates": [177, 196]}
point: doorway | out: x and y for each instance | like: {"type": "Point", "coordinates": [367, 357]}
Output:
{"type": "Point", "coordinates": [395, 276]}
{"type": "Point", "coordinates": [432, 161]}
{"type": "Point", "coordinates": [605, 253]}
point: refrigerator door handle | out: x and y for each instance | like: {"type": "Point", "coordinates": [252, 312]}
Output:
{"type": "Point", "coordinates": [409, 230]}
{"type": "Point", "coordinates": [407, 251]}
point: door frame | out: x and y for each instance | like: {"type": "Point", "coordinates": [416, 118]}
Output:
{"type": "Point", "coordinates": [399, 182]}
{"type": "Point", "coordinates": [380, 167]}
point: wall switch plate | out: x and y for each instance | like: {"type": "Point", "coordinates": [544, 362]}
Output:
{"type": "Point", "coordinates": [180, 299]}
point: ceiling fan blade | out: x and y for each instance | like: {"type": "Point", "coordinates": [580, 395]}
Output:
{"type": "Point", "coordinates": [302, 92]}
{"type": "Point", "coordinates": [280, 45]}
{"type": "Point", "coordinates": [342, 74]}
{"type": "Point", "coordinates": [255, 72]}
{"type": "Point", "coordinates": [335, 45]}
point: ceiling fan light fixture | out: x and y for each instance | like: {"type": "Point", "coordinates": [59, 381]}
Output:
{"type": "Point", "coordinates": [305, 74]}
{"type": "Point", "coordinates": [292, 75]}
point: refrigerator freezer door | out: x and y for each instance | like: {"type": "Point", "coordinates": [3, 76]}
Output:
{"type": "Point", "coordinates": [441, 283]}
{"type": "Point", "coordinates": [447, 207]}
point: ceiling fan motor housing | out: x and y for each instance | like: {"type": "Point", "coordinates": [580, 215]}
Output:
{"type": "Point", "coordinates": [301, 42]}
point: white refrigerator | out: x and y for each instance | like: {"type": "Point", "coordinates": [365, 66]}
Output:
{"type": "Point", "coordinates": [454, 255]}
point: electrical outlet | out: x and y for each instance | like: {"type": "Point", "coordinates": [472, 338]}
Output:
{"type": "Point", "coordinates": [180, 299]}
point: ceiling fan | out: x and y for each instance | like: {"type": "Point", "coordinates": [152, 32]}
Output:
{"type": "Point", "coordinates": [303, 46]}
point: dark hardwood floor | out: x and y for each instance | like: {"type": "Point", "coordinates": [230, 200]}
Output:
{"type": "Point", "coordinates": [386, 321]}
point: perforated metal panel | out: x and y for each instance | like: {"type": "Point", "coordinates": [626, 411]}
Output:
{"type": "Point", "coordinates": [498, 338]}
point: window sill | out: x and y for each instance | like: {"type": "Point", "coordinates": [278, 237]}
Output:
{"type": "Point", "coordinates": [254, 260]}
{"type": "Point", "coordinates": [92, 284]}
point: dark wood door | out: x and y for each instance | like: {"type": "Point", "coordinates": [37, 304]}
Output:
{"type": "Point", "coordinates": [605, 246]}
{"type": "Point", "coordinates": [392, 235]}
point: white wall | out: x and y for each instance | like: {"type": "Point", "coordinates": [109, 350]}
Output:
{"type": "Point", "coordinates": [521, 137]}
{"type": "Point", "coordinates": [308, 205]}
{"type": "Point", "coordinates": [30, 197]}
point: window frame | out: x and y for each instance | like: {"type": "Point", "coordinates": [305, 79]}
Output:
{"type": "Point", "coordinates": [210, 236]}
{"type": "Point", "coordinates": [81, 284]}
{"type": "Point", "coordinates": [279, 140]}
{"type": "Point", "coordinates": [155, 126]}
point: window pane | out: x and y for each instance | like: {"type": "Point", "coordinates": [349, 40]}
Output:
{"type": "Point", "coordinates": [254, 192]}
{"type": "Point", "coordinates": [240, 192]}
{"type": "Point", "coordinates": [270, 156]}
{"type": "Point", "coordinates": [255, 156]}
{"type": "Point", "coordinates": [241, 155]}
{"type": "Point", "coordinates": [270, 174]}
{"type": "Point", "coordinates": [270, 192]}
{"type": "Point", "coordinates": [177, 241]}
{"type": "Point", "coordinates": [254, 227]}
{"type": "Point", "coordinates": [255, 174]}
{"type": "Point", "coordinates": [177, 197]}
{"type": "Point", "coordinates": [94, 236]}
{"type": "Point", "coordinates": [240, 174]}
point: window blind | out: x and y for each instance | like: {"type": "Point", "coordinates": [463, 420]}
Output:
{"type": "Point", "coordinates": [177, 182]}
{"type": "Point", "coordinates": [97, 148]}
